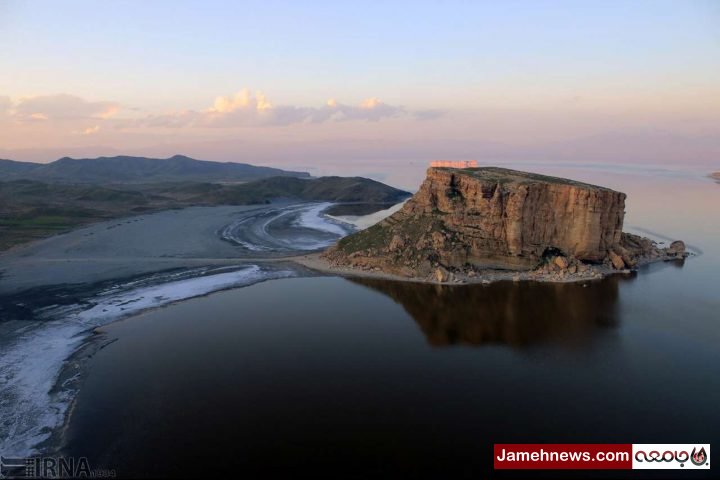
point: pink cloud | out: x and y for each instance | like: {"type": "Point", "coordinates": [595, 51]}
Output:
{"type": "Point", "coordinates": [248, 109]}
{"type": "Point", "coordinates": [59, 107]}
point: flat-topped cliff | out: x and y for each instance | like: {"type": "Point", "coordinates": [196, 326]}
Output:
{"type": "Point", "coordinates": [495, 218]}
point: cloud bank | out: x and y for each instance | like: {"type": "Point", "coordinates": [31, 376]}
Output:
{"type": "Point", "coordinates": [248, 109]}
{"type": "Point", "coordinates": [243, 109]}
{"type": "Point", "coordinates": [57, 107]}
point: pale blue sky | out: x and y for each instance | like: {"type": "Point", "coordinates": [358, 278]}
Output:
{"type": "Point", "coordinates": [432, 54]}
{"type": "Point", "coordinates": [530, 79]}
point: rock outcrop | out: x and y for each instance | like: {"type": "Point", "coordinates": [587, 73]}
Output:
{"type": "Point", "coordinates": [715, 176]}
{"type": "Point", "coordinates": [463, 220]}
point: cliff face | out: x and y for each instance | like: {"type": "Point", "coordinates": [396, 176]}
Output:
{"type": "Point", "coordinates": [514, 216]}
{"type": "Point", "coordinates": [489, 218]}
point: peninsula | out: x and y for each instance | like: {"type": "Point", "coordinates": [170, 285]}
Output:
{"type": "Point", "coordinates": [484, 224]}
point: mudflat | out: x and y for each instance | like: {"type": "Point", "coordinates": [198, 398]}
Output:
{"type": "Point", "coordinates": [129, 246]}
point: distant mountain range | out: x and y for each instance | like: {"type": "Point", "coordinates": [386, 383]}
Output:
{"type": "Point", "coordinates": [126, 169]}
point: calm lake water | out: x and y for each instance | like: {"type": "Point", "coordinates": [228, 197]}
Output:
{"type": "Point", "coordinates": [342, 377]}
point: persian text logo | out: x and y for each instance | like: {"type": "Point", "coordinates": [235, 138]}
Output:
{"type": "Point", "coordinates": [652, 456]}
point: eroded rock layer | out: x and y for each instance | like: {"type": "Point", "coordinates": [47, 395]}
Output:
{"type": "Point", "coordinates": [491, 218]}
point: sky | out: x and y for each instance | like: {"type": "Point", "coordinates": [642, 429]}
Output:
{"type": "Point", "coordinates": [355, 87]}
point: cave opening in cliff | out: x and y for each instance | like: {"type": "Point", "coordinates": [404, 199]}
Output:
{"type": "Point", "coordinates": [551, 252]}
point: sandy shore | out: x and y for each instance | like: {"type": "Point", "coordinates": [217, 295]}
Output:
{"type": "Point", "coordinates": [316, 262]}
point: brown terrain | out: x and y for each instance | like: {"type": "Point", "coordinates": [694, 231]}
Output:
{"type": "Point", "coordinates": [463, 223]}
{"type": "Point", "coordinates": [715, 176]}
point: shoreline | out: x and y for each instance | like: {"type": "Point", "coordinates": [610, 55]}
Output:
{"type": "Point", "coordinates": [94, 338]}
{"type": "Point", "coordinates": [58, 290]}
{"type": "Point", "coordinates": [135, 245]}
{"type": "Point", "coordinates": [314, 261]}
{"type": "Point", "coordinates": [71, 325]}
{"type": "Point", "coordinates": [123, 217]}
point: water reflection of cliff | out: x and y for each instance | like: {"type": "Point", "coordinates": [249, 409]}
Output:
{"type": "Point", "coordinates": [517, 314]}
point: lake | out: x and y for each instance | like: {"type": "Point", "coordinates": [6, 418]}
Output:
{"type": "Point", "coordinates": [351, 377]}
{"type": "Point", "coordinates": [334, 376]}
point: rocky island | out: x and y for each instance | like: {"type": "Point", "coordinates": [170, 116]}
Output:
{"type": "Point", "coordinates": [715, 176]}
{"type": "Point", "coordinates": [484, 224]}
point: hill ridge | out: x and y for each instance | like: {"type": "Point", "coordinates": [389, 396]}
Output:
{"type": "Point", "coordinates": [120, 169]}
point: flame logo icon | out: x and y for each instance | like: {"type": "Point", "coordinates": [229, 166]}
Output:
{"type": "Point", "coordinates": [698, 458]}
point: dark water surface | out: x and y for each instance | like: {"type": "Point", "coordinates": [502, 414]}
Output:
{"type": "Point", "coordinates": [329, 376]}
